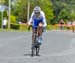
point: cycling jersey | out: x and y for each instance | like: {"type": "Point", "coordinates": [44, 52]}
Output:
{"type": "Point", "coordinates": [36, 21]}
{"type": "Point", "coordinates": [43, 18]}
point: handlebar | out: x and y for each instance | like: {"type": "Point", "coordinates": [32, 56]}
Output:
{"type": "Point", "coordinates": [32, 26]}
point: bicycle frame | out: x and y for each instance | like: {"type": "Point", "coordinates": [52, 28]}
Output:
{"type": "Point", "coordinates": [35, 44]}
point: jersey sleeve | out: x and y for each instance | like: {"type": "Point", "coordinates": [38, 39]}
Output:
{"type": "Point", "coordinates": [44, 19]}
{"type": "Point", "coordinates": [31, 18]}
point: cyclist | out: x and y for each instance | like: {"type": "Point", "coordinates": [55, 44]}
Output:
{"type": "Point", "coordinates": [37, 19]}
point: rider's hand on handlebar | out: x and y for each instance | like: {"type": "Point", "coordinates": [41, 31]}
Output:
{"type": "Point", "coordinates": [40, 25]}
{"type": "Point", "coordinates": [29, 25]}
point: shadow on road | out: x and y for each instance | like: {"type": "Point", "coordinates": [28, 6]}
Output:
{"type": "Point", "coordinates": [27, 54]}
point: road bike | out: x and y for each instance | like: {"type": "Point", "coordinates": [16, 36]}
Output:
{"type": "Point", "coordinates": [35, 44]}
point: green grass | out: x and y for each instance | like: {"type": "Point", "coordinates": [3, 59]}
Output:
{"type": "Point", "coordinates": [25, 29]}
{"type": "Point", "coordinates": [12, 30]}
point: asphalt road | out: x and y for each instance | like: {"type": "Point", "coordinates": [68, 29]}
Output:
{"type": "Point", "coordinates": [57, 47]}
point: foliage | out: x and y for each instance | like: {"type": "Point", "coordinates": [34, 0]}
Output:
{"type": "Point", "coordinates": [5, 14]}
{"type": "Point", "coordinates": [46, 6]}
{"type": "Point", "coordinates": [0, 20]}
{"type": "Point", "coordinates": [54, 9]}
{"type": "Point", "coordinates": [23, 27]}
{"type": "Point", "coordinates": [6, 2]}
{"type": "Point", "coordinates": [63, 9]}
{"type": "Point", "coordinates": [14, 26]}
{"type": "Point", "coordinates": [13, 19]}
{"type": "Point", "coordinates": [63, 14]}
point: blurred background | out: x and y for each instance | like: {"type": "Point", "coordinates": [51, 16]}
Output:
{"type": "Point", "coordinates": [17, 12]}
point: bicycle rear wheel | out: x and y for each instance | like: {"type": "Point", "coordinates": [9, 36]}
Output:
{"type": "Point", "coordinates": [33, 46]}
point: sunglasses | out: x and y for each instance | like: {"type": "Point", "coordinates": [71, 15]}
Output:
{"type": "Point", "coordinates": [37, 12]}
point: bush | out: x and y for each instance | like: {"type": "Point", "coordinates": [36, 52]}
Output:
{"type": "Point", "coordinates": [49, 27]}
{"type": "Point", "coordinates": [0, 20]}
{"type": "Point", "coordinates": [23, 27]}
{"type": "Point", "coordinates": [14, 26]}
{"type": "Point", "coordinates": [13, 19]}
{"type": "Point", "coordinates": [5, 14]}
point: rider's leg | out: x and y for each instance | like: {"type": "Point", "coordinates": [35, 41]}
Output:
{"type": "Point", "coordinates": [43, 29]}
{"type": "Point", "coordinates": [40, 35]}
{"type": "Point", "coordinates": [40, 31]}
{"type": "Point", "coordinates": [33, 31]}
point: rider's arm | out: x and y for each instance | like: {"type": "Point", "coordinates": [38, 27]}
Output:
{"type": "Point", "coordinates": [31, 19]}
{"type": "Point", "coordinates": [44, 19]}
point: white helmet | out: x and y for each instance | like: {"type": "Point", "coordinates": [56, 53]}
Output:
{"type": "Point", "coordinates": [37, 9]}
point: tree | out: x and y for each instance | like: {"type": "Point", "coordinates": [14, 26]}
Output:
{"type": "Point", "coordinates": [6, 2]}
{"type": "Point", "coordinates": [47, 7]}
{"type": "Point", "coordinates": [63, 9]}
{"type": "Point", "coordinates": [21, 8]}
